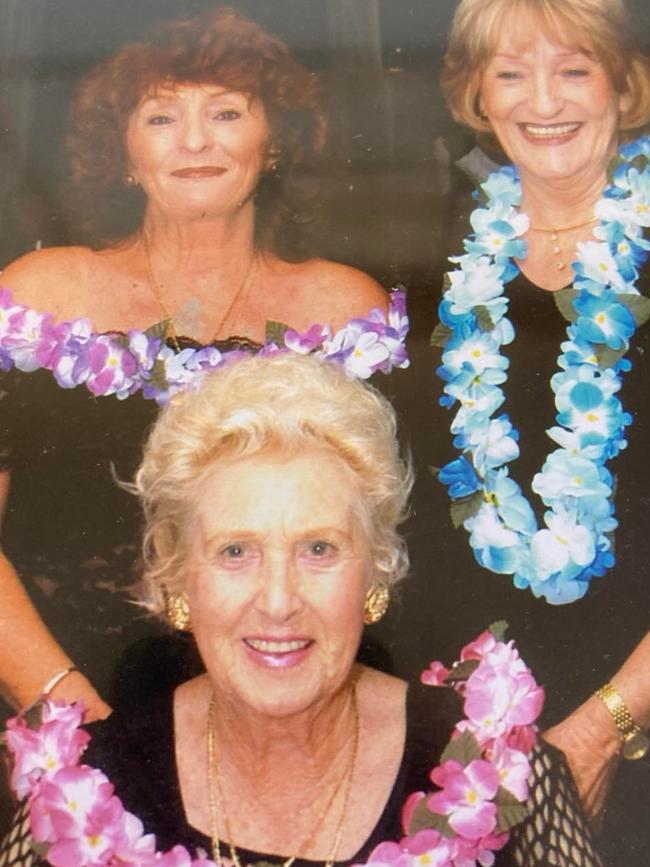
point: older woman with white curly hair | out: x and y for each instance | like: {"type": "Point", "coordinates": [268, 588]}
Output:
{"type": "Point", "coordinates": [272, 496]}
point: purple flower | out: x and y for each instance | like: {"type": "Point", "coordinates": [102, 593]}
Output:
{"type": "Point", "coordinates": [309, 340]}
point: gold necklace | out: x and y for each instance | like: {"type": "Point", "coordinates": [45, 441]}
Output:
{"type": "Point", "coordinates": [560, 264]}
{"type": "Point", "coordinates": [215, 789]}
{"type": "Point", "coordinates": [155, 291]}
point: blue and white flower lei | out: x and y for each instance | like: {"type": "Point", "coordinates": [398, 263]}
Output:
{"type": "Point", "coordinates": [604, 308]}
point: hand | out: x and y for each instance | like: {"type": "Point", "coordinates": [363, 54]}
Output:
{"type": "Point", "coordinates": [77, 687]}
{"type": "Point", "coordinates": [590, 741]}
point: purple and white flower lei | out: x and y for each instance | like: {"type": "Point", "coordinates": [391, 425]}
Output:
{"type": "Point", "coordinates": [481, 780]}
{"type": "Point", "coordinates": [141, 361]}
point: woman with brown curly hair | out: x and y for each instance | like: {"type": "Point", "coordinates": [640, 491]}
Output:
{"type": "Point", "coordinates": [184, 149]}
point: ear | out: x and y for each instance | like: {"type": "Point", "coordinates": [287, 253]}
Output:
{"type": "Point", "coordinates": [624, 102]}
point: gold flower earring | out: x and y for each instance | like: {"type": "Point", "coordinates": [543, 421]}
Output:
{"type": "Point", "coordinates": [178, 612]}
{"type": "Point", "coordinates": [376, 604]}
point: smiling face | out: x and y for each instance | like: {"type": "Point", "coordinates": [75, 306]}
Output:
{"type": "Point", "coordinates": [551, 106]}
{"type": "Point", "coordinates": [197, 150]}
{"type": "Point", "coordinates": [277, 578]}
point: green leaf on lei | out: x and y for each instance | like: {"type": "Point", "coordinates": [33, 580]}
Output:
{"type": "Point", "coordinates": [440, 335]}
{"type": "Point", "coordinates": [159, 329]}
{"type": "Point", "coordinates": [462, 671]}
{"type": "Point", "coordinates": [499, 629]}
{"type": "Point", "coordinates": [564, 299]}
{"type": "Point", "coordinates": [424, 818]}
{"type": "Point", "coordinates": [607, 357]}
{"type": "Point", "coordinates": [483, 318]}
{"type": "Point", "coordinates": [446, 281]}
{"type": "Point", "coordinates": [638, 305]}
{"type": "Point", "coordinates": [510, 811]}
{"type": "Point", "coordinates": [463, 749]}
{"type": "Point", "coordinates": [275, 332]}
{"type": "Point", "coordinates": [122, 340]}
{"type": "Point", "coordinates": [39, 849]}
{"type": "Point", "coordinates": [158, 376]}
{"type": "Point", "coordinates": [465, 507]}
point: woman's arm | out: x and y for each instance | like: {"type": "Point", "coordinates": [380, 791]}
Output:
{"type": "Point", "coordinates": [30, 656]}
{"type": "Point", "coordinates": [589, 738]}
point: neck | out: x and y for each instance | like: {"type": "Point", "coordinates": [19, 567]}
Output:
{"type": "Point", "coordinates": [301, 747]}
{"type": "Point", "coordinates": [201, 243]}
{"type": "Point", "coordinates": [559, 204]}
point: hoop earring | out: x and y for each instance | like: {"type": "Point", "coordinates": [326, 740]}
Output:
{"type": "Point", "coordinates": [178, 612]}
{"type": "Point", "coordinates": [376, 604]}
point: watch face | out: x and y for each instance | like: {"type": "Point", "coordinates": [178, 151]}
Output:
{"type": "Point", "coordinates": [635, 745]}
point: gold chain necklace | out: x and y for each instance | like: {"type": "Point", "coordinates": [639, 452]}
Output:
{"type": "Point", "coordinates": [215, 789]}
{"type": "Point", "coordinates": [560, 264]}
{"type": "Point", "coordinates": [155, 291]}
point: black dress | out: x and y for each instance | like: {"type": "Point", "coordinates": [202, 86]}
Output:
{"type": "Point", "coordinates": [572, 649]}
{"type": "Point", "coordinates": [135, 749]}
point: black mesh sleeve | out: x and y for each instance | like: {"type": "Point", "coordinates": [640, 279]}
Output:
{"type": "Point", "coordinates": [557, 830]}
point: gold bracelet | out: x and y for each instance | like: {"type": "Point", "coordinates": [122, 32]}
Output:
{"type": "Point", "coordinates": [634, 742]}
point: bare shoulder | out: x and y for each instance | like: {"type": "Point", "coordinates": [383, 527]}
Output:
{"type": "Point", "coordinates": [45, 278]}
{"type": "Point", "coordinates": [327, 292]}
{"type": "Point", "coordinates": [344, 285]}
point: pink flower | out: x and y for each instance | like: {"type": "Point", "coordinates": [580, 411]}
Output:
{"type": "Point", "coordinates": [466, 796]}
{"type": "Point", "coordinates": [56, 744]}
{"type": "Point", "coordinates": [388, 855]}
{"type": "Point", "coordinates": [429, 849]}
{"type": "Point", "coordinates": [71, 805]}
{"type": "Point", "coordinates": [513, 768]}
{"type": "Point", "coordinates": [435, 675]}
{"type": "Point", "coordinates": [480, 647]}
{"type": "Point", "coordinates": [501, 693]}
{"type": "Point", "coordinates": [409, 808]}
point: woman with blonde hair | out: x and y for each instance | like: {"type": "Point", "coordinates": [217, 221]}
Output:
{"type": "Point", "coordinates": [545, 308]}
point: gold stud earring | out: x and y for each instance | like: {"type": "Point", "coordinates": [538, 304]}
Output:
{"type": "Point", "coordinates": [178, 612]}
{"type": "Point", "coordinates": [376, 604]}
{"type": "Point", "coordinates": [129, 180]}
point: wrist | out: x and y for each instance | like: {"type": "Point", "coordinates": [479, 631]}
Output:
{"type": "Point", "coordinates": [632, 741]}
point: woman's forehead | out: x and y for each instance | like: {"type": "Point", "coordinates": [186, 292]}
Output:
{"type": "Point", "coordinates": [517, 31]}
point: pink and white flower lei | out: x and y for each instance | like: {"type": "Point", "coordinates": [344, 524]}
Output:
{"type": "Point", "coordinates": [481, 779]}
{"type": "Point", "coordinates": [142, 361]}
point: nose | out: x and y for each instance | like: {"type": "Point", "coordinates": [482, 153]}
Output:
{"type": "Point", "coordinates": [278, 598]}
{"type": "Point", "coordinates": [195, 133]}
{"type": "Point", "coordinates": [546, 98]}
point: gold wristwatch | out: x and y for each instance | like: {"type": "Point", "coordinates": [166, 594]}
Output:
{"type": "Point", "coordinates": [634, 742]}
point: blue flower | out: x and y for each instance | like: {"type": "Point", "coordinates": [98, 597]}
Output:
{"type": "Point", "coordinates": [513, 508]}
{"type": "Point", "coordinates": [461, 478]}
{"type": "Point", "coordinates": [604, 320]}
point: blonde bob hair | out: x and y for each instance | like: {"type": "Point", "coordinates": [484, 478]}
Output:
{"type": "Point", "coordinates": [599, 28]}
{"type": "Point", "coordinates": [286, 403]}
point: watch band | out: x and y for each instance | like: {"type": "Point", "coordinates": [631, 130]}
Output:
{"type": "Point", "coordinates": [634, 742]}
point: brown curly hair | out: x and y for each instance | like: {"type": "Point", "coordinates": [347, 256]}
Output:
{"type": "Point", "coordinates": [216, 47]}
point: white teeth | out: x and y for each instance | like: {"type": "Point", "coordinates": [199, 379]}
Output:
{"type": "Point", "coordinates": [551, 131]}
{"type": "Point", "coordinates": [276, 646]}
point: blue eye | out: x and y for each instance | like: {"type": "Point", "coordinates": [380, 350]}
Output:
{"type": "Point", "coordinates": [159, 120]}
{"type": "Point", "coordinates": [578, 72]}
